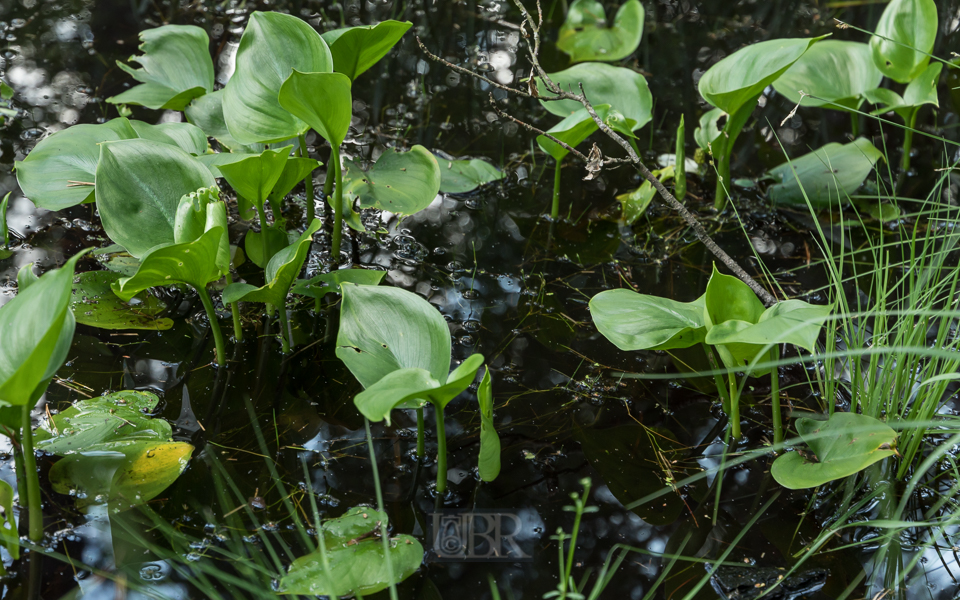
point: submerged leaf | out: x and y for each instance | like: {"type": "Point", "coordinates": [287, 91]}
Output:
{"type": "Point", "coordinates": [461, 176]}
{"type": "Point", "coordinates": [95, 304]}
{"type": "Point", "coordinates": [826, 176]}
{"type": "Point", "coordinates": [844, 444]}
{"type": "Point", "coordinates": [623, 89]}
{"type": "Point", "coordinates": [399, 182]}
{"type": "Point", "coordinates": [175, 68]}
{"type": "Point", "coordinates": [585, 34]}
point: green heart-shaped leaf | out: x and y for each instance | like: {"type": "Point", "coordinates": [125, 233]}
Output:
{"type": "Point", "coordinates": [139, 187]}
{"type": "Point", "coordinates": [738, 79]}
{"type": "Point", "coordinates": [384, 329]}
{"type": "Point", "coordinates": [294, 171]}
{"type": "Point", "coordinates": [788, 322]}
{"type": "Point", "coordinates": [461, 176]}
{"type": "Point", "coordinates": [356, 49]}
{"type": "Point", "coordinates": [185, 136]}
{"type": "Point", "coordinates": [322, 100]}
{"type": "Point", "coordinates": [410, 388]}
{"type": "Point", "coordinates": [193, 263]}
{"type": "Point", "coordinates": [254, 176]}
{"type": "Point", "coordinates": [175, 68]}
{"type": "Point", "coordinates": [633, 321]}
{"type": "Point", "coordinates": [401, 183]}
{"type": "Point", "coordinates": [95, 304]}
{"type": "Point", "coordinates": [206, 112]}
{"type": "Point", "coordinates": [844, 444]}
{"type": "Point", "coordinates": [98, 420]}
{"type": "Point", "coordinates": [827, 176]}
{"type": "Point", "coordinates": [280, 273]}
{"type": "Point", "coordinates": [277, 240]}
{"type": "Point", "coordinates": [830, 71]}
{"type": "Point", "coordinates": [623, 89]}
{"type": "Point", "coordinates": [579, 126]}
{"type": "Point", "coordinates": [271, 47]}
{"type": "Point", "coordinates": [910, 27]}
{"type": "Point", "coordinates": [585, 34]}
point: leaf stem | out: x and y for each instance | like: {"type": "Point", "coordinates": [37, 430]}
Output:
{"type": "Point", "coordinates": [262, 215]}
{"type": "Point", "coordinates": [308, 180]}
{"type": "Point", "coordinates": [284, 329]}
{"type": "Point", "coordinates": [337, 207]}
{"type": "Point", "coordinates": [235, 312]}
{"type": "Point", "coordinates": [555, 208]}
{"type": "Point", "coordinates": [384, 537]}
{"type": "Point", "coordinates": [908, 141]}
{"type": "Point", "coordinates": [441, 453]}
{"type": "Point", "coordinates": [214, 324]}
{"type": "Point", "coordinates": [421, 446]}
{"type": "Point", "coordinates": [34, 509]}
{"type": "Point", "coordinates": [775, 397]}
{"type": "Point", "coordinates": [734, 406]}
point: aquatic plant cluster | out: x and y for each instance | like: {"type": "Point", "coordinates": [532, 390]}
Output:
{"type": "Point", "coordinates": [185, 204]}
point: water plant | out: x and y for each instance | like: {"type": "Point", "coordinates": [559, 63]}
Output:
{"type": "Point", "coordinates": [37, 328]}
{"type": "Point", "coordinates": [733, 86]}
{"type": "Point", "coordinates": [586, 36]}
{"type": "Point", "coordinates": [5, 251]}
{"type": "Point", "coordinates": [727, 320]}
{"type": "Point", "coordinates": [398, 347]}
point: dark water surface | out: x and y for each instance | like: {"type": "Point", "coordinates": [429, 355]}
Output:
{"type": "Point", "coordinates": [509, 288]}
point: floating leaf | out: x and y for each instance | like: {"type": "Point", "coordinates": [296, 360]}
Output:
{"type": "Point", "coordinates": [844, 444]}
{"type": "Point", "coordinates": [139, 186]}
{"type": "Point", "coordinates": [831, 71]}
{"type": "Point", "coordinates": [36, 327]}
{"type": "Point", "coordinates": [401, 183]}
{"type": "Point", "coordinates": [826, 176]}
{"type": "Point", "coordinates": [322, 100]}
{"type": "Point", "coordinates": [95, 304]}
{"type": "Point", "coordinates": [254, 175]}
{"type": "Point", "coordinates": [910, 27]}
{"type": "Point", "coordinates": [635, 321]}
{"type": "Point", "coordinates": [329, 283]}
{"type": "Point", "coordinates": [356, 49]}
{"type": "Point", "coordinates": [280, 273]}
{"type": "Point", "coordinates": [175, 68]}
{"type": "Point", "coordinates": [271, 47]}
{"type": "Point", "coordinates": [585, 34]}
{"type": "Point", "coordinates": [383, 329]}
{"type": "Point", "coordinates": [461, 176]}
{"type": "Point", "coordinates": [489, 462]}
{"type": "Point", "coordinates": [98, 421]}
{"type": "Point", "coordinates": [355, 558]}
{"type": "Point", "coordinates": [623, 89]}
{"type": "Point", "coordinates": [738, 79]}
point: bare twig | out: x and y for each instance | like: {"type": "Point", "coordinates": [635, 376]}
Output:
{"type": "Point", "coordinates": [594, 160]}
{"type": "Point", "coordinates": [530, 127]}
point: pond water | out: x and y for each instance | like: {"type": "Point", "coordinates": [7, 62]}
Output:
{"type": "Point", "coordinates": [512, 285]}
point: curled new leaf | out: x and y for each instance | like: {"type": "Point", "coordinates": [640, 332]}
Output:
{"type": "Point", "coordinates": [489, 462]}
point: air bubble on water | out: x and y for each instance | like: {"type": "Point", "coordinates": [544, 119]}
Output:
{"type": "Point", "coordinates": [193, 557]}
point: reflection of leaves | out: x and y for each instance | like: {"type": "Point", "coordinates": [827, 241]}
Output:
{"type": "Point", "coordinates": [629, 466]}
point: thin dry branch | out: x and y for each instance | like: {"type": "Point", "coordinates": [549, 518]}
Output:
{"type": "Point", "coordinates": [633, 158]}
